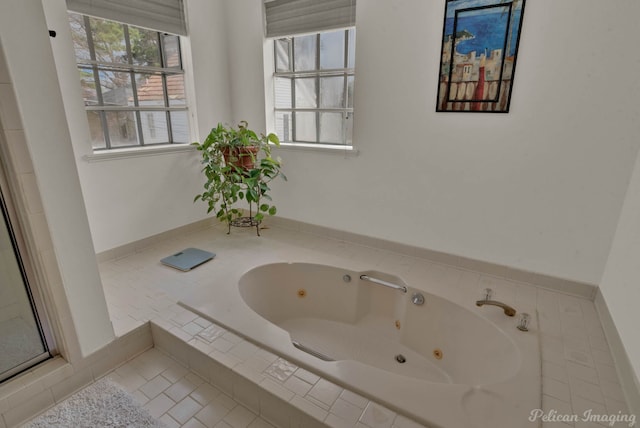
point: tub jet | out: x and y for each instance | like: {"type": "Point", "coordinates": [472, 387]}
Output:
{"type": "Point", "coordinates": [401, 359]}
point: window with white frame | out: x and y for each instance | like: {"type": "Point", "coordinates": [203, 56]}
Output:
{"type": "Point", "coordinates": [314, 69]}
{"type": "Point", "coordinates": [132, 83]}
{"type": "Point", "coordinates": [313, 79]}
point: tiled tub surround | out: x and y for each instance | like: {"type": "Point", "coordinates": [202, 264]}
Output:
{"type": "Point", "coordinates": [486, 362]}
{"type": "Point", "coordinates": [578, 372]}
{"type": "Point", "coordinates": [269, 386]}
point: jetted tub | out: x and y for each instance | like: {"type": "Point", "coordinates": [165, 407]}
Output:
{"type": "Point", "coordinates": [440, 363]}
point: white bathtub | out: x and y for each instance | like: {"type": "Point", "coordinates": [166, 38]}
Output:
{"type": "Point", "coordinates": [463, 367]}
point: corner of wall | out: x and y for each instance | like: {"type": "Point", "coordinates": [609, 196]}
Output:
{"type": "Point", "coordinates": [626, 374]}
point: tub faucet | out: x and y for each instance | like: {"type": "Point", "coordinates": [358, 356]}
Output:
{"type": "Point", "coordinates": [508, 310]}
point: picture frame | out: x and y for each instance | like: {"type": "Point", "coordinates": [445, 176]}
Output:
{"type": "Point", "coordinates": [480, 41]}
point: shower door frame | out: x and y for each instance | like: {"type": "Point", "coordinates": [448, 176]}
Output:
{"type": "Point", "coordinates": [31, 284]}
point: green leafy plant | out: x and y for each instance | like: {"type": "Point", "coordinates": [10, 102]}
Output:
{"type": "Point", "coordinates": [238, 166]}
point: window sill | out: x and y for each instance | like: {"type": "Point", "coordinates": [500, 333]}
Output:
{"type": "Point", "coordinates": [324, 148]}
{"type": "Point", "coordinates": [134, 152]}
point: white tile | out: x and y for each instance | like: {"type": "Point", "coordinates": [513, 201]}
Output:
{"type": "Point", "coordinates": [297, 385]}
{"type": "Point", "coordinates": [28, 408]}
{"type": "Point", "coordinates": [227, 360]}
{"type": "Point", "coordinates": [345, 410]}
{"type": "Point", "coordinates": [256, 363]}
{"type": "Point", "coordinates": [140, 397]}
{"type": "Point", "coordinates": [581, 372]}
{"type": "Point", "coordinates": [553, 404]}
{"type": "Point", "coordinates": [184, 410]}
{"type": "Point", "coordinates": [606, 372]}
{"type": "Point", "coordinates": [582, 406]}
{"type": "Point", "coordinates": [205, 393]}
{"type": "Point", "coordinates": [154, 387]}
{"type": "Point", "coordinates": [580, 388]}
{"type": "Point", "coordinates": [555, 371]}
{"type": "Point", "coordinates": [579, 357]}
{"type": "Point", "coordinates": [274, 410]}
{"type": "Point", "coordinates": [159, 405]}
{"type": "Point", "coordinates": [276, 389]}
{"type": "Point", "coordinates": [225, 400]}
{"type": "Point", "coordinates": [355, 399]}
{"type": "Point", "coordinates": [556, 389]}
{"type": "Point", "coordinates": [281, 369]}
{"type": "Point", "coordinates": [203, 322]}
{"type": "Point", "coordinates": [169, 421]}
{"type": "Point", "coordinates": [260, 423]}
{"type": "Point", "coordinates": [334, 421]}
{"type": "Point", "coordinates": [212, 413]}
{"type": "Point", "coordinates": [247, 392]}
{"type": "Point", "coordinates": [174, 372]}
{"type": "Point", "coordinates": [602, 357]}
{"type": "Point", "coordinates": [612, 390]}
{"type": "Point", "coordinates": [222, 344]}
{"type": "Point", "coordinates": [307, 376]}
{"type": "Point", "coordinates": [377, 416]}
{"type": "Point", "coordinates": [239, 417]}
{"type": "Point", "coordinates": [180, 389]}
{"type": "Point", "coordinates": [233, 337]}
{"type": "Point", "coordinates": [129, 379]}
{"type": "Point", "coordinates": [309, 408]}
{"type": "Point", "coordinates": [615, 407]}
{"type": "Point", "coordinates": [201, 345]}
{"type": "Point", "coordinates": [244, 350]}
{"type": "Point", "coordinates": [193, 328]}
{"type": "Point", "coordinates": [194, 423]}
{"type": "Point", "coordinates": [74, 383]}
{"type": "Point", "coordinates": [325, 391]}
{"type": "Point", "coordinates": [184, 317]}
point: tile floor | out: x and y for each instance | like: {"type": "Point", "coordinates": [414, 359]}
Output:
{"type": "Point", "coordinates": [578, 371]}
{"type": "Point", "coordinates": [179, 397]}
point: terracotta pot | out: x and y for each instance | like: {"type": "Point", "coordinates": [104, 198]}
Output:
{"type": "Point", "coordinates": [242, 157]}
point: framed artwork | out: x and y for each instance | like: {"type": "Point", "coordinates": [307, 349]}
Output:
{"type": "Point", "coordinates": [479, 50]}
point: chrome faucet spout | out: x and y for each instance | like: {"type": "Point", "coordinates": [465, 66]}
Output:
{"type": "Point", "coordinates": [508, 310]}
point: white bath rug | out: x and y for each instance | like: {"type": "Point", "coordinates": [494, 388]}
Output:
{"type": "Point", "coordinates": [100, 405]}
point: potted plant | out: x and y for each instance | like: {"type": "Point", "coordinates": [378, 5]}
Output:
{"type": "Point", "coordinates": [238, 167]}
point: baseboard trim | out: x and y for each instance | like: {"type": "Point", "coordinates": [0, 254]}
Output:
{"type": "Point", "coordinates": [626, 375]}
{"type": "Point", "coordinates": [567, 286]}
{"type": "Point", "coordinates": [135, 246]}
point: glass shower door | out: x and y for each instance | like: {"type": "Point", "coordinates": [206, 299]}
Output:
{"type": "Point", "coordinates": [22, 343]}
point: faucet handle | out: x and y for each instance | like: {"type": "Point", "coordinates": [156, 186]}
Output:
{"type": "Point", "coordinates": [488, 293]}
{"type": "Point", "coordinates": [523, 322]}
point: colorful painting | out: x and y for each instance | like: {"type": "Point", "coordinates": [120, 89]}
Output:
{"type": "Point", "coordinates": [479, 48]}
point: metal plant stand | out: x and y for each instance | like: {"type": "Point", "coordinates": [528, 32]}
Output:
{"type": "Point", "coordinates": [247, 221]}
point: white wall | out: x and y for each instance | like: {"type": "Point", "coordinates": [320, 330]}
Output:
{"type": "Point", "coordinates": [39, 112]}
{"type": "Point", "coordinates": [133, 198]}
{"type": "Point", "coordinates": [539, 188]}
{"type": "Point", "coordinates": [619, 285]}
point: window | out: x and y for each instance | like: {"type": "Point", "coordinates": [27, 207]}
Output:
{"type": "Point", "coordinates": [313, 80]}
{"type": "Point", "coordinates": [132, 83]}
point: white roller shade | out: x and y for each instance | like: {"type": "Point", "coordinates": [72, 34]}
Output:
{"type": "Point", "coordinates": [290, 17]}
{"type": "Point", "coordinates": [166, 16]}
